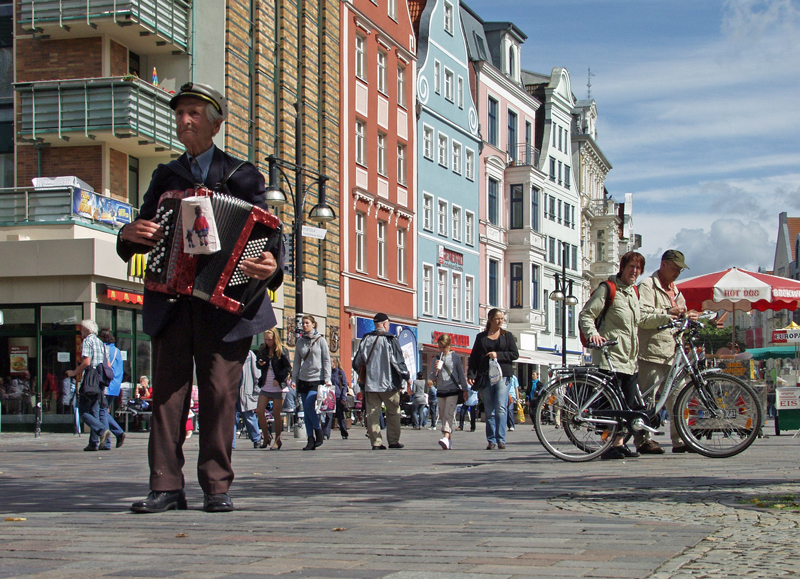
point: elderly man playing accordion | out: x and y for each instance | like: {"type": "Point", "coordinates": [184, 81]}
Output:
{"type": "Point", "coordinates": [189, 334]}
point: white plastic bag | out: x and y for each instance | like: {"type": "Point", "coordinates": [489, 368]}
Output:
{"type": "Point", "coordinates": [326, 399]}
{"type": "Point", "coordinates": [495, 372]}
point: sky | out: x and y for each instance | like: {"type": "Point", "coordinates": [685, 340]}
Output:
{"type": "Point", "coordinates": [698, 113]}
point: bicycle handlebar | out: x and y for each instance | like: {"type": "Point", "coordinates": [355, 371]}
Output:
{"type": "Point", "coordinates": [606, 344]}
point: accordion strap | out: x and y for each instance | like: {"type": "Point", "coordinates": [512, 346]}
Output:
{"type": "Point", "coordinates": [222, 184]}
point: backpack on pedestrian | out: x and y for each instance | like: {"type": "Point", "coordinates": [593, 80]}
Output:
{"type": "Point", "coordinates": [610, 295]}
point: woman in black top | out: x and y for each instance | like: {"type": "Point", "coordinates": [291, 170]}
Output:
{"type": "Point", "coordinates": [494, 342]}
{"type": "Point", "coordinates": [273, 359]}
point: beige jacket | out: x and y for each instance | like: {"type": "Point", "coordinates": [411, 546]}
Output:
{"type": "Point", "coordinates": [656, 346]}
{"type": "Point", "coordinates": [621, 323]}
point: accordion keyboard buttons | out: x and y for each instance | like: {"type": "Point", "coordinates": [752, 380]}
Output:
{"type": "Point", "coordinates": [253, 248]}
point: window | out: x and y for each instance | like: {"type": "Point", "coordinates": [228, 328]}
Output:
{"type": "Point", "coordinates": [393, 9]}
{"type": "Point", "coordinates": [360, 144]}
{"type": "Point", "coordinates": [361, 242]}
{"type": "Point", "coordinates": [442, 214]}
{"type": "Point", "coordinates": [427, 212]}
{"type": "Point", "coordinates": [560, 139]}
{"type": "Point", "coordinates": [469, 165]}
{"type": "Point", "coordinates": [560, 165]}
{"type": "Point", "coordinates": [133, 183]}
{"type": "Point", "coordinates": [572, 209]}
{"type": "Point", "coordinates": [469, 228]}
{"type": "Point", "coordinates": [528, 145]}
{"type": "Point", "coordinates": [456, 157]}
{"type": "Point", "coordinates": [460, 92]}
{"type": "Point", "coordinates": [437, 77]}
{"type": "Point", "coordinates": [427, 142]}
{"type": "Point", "coordinates": [546, 307]}
{"type": "Point", "coordinates": [552, 208]}
{"type": "Point", "coordinates": [511, 145]}
{"type": "Point", "coordinates": [427, 290]}
{"type": "Point", "coordinates": [575, 265]}
{"type": "Point", "coordinates": [448, 17]}
{"type": "Point", "coordinates": [554, 130]}
{"type": "Point", "coordinates": [491, 136]}
{"type": "Point", "coordinates": [401, 164]}
{"type": "Point", "coordinates": [535, 283]}
{"type": "Point", "coordinates": [443, 150]}
{"type": "Point", "coordinates": [566, 214]}
{"type": "Point", "coordinates": [456, 211]}
{"type": "Point", "coordinates": [559, 305]}
{"type": "Point", "coordinates": [552, 169]}
{"type": "Point", "coordinates": [559, 211]}
{"type": "Point", "coordinates": [516, 285]}
{"type": "Point", "coordinates": [361, 58]}
{"type": "Point", "coordinates": [455, 299]}
{"type": "Point", "coordinates": [601, 245]}
{"type": "Point", "coordinates": [401, 85]}
{"type": "Point", "coordinates": [441, 293]}
{"type": "Point", "coordinates": [516, 217]}
{"type": "Point", "coordinates": [551, 254]}
{"type": "Point", "coordinates": [535, 193]}
{"type": "Point", "coordinates": [382, 249]}
{"type": "Point", "coordinates": [493, 281]}
{"type": "Point", "coordinates": [469, 291]}
{"type": "Point", "coordinates": [381, 154]}
{"type": "Point", "coordinates": [382, 71]}
{"type": "Point", "coordinates": [511, 65]}
{"type": "Point", "coordinates": [401, 255]}
{"type": "Point", "coordinates": [567, 179]}
{"type": "Point", "coordinates": [448, 85]}
{"type": "Point", "coordinates": [571, 320]}
{"type": "Point", "coordinates": [491, 208]}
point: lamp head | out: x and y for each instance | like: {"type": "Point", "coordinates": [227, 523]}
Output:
{"type": "Point", "coordinates": [322, 212]}
{"type": "Point", "coordinates": [275, 197]}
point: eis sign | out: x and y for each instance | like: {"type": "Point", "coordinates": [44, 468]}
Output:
{"type": "Point", "coordinates": [451, 259]}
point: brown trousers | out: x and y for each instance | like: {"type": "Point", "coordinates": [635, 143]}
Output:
{"type": "Point", "coordinates": [184, 346]}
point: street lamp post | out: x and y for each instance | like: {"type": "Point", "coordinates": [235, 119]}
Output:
{"type": "Point", "coordinates": [563, 293]}
{"type": "Point", "coordinates": [320, 213]}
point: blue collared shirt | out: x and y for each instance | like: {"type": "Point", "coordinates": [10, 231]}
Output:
{"type": "Point", "coordinates": [204, 160]}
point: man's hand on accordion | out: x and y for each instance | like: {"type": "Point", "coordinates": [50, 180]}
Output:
{"type": "Point", "coordinates": [143, 232]}
{"type": "Point", "coordinates": [261, 267]}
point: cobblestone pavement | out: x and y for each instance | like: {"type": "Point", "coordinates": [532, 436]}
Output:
{"type": "Point", "coordinates": [344, 511]}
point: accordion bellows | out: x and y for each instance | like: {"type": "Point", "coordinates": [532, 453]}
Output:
{"type": "Point", "coordinates": [244, 231]}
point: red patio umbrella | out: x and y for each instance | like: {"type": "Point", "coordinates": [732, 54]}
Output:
{"type": "Point", "coordinates": [738, 289]}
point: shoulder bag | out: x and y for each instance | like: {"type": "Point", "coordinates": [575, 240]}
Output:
{"type": "Point", "coordinates": [362, 370]}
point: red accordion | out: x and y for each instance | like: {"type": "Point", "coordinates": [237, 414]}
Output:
{"type": "Point", "coordinates": [244, 231]}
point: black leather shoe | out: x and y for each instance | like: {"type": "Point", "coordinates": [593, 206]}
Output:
{"type": "Point", "coordinates": [159, 502]}
{"type": "Point", "coordinates": [90, 448]}
{"type": "Point", "coordinates": [120, 440]}
{"type": "Point", "coordinates": [378, 447]}
{"type": "Point", "coordinates": [220, 503]}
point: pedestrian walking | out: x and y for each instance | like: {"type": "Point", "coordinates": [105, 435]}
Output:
{"type": "Point", "coordinates": [470, 406]}
{"type": "Point", "coordinates": [248, 401]}
{"type": "Point", "coordinates": [451, 384]}
{"type": "Point", "coordinates": [384, 376]}
{"type": "Point", "coordinates": [114, 357]}
{"type": "Point", "coordinates": [311, 368]}
{"type": "Point", "coordinates": [339, 379]}
{"type": "Point", "coordinates": [419, 402]}
{"type": "Point", "coordinates": [494, 343]}
{"type": "Point", "coordinates": [273, 361]}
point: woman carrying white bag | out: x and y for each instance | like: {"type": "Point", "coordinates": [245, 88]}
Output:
{"type": "Point", "coordinates": [493, 348]}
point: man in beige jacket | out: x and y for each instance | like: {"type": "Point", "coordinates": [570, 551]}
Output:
{"type": "Point", "coordinates": [658, 294]}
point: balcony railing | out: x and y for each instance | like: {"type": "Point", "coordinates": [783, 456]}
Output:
{"type": "Point", "coordinates": [28, 205]}
{"type": "Point", "coordinates": [169, 20]}
{"type": "Point", "coordinates": [107, 109]}
{"type": "Point", "coordinates": [523, 154]}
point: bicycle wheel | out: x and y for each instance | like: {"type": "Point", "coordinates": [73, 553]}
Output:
{"type": "Point", "coordinates": [720, 419]}
{"type": "Point", "coordinates": [562, 427]}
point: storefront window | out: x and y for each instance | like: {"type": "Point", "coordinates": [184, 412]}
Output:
{"type": "Point", "coordinates": [104, 318]}
{"type": "Point", "coordinates": [125, 321]}
{"type": "Point", "coordinates": [19, 319]}
{"type": "Point", "coordinates": [61, 317]}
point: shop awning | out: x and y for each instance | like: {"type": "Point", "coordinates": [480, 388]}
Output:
{"type": "Point", "coordinates": [124, 296]}
{"type": "Point", "coordinates": [541, 358]}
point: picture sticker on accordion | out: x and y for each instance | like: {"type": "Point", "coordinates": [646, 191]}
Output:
{"type": "Point", "coordinates": [199, 226]}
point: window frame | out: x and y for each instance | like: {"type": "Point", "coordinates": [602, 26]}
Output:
{"type": "Point", "coordinates": [441, 217]}
{"type": "Point", "coordinates": [361, 245]}
{"type": "Point", "coordinates": [516, 290]}
{"type": "Point", "coordinates": [381, 154]}
{"type": "Point", "coordinates": [455, 296]}
{"type": "Point", "coordinates": [469, 164]}
{"type": "Point", "coordinates": [361, 57]}
{"type": "Point", "coordinates": [441, 293]}
{"type": "Point", "coordinates": [469, 227]}
{"type": "Point", "coordinates": [469, 293]}
{"type": "Point", "coordinates": [381, 229]}
{"type": "Point", "coordinates": [427, 289]}
{"type": "Point", "coordinates": [381, 66]}
{"type": "Point", "coordinates": [402, 234]}
{"type": "Point", "coordinates": [427, 212]}
{"type": "Point", "coordinates": [360, 142]}
{"type": "Point", "coordinates": [401, 164]}
{"type": "Point", "coordinates": [427, 142]}
{"type": "Point", "coordinates": [455, 151]}
{"type": "Point", "coordinates": [516, 218]}
{"type": "Point", "coordinates": [492, 120]}
{"type": "Point", "coordinates": [493, 201]}
{"type": "Point", "coordinates": [455, 218]}
{"type": "Point", "coordinates": [443, 145]}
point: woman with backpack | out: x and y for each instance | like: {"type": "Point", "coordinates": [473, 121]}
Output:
{"type": "Point", "coordinates": [311, 368]}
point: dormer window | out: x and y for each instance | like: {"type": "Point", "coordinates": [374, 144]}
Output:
{"type": "Point", "coordinates": [511, 63]}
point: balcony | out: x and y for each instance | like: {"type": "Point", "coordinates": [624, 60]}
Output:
{"type": "Point", "coordinates": [144, 26]}
{"type": "Point", "coordinates": [61, 206]}
{"type": "Point", "coordinates": [523, 155]}
{"type": "Point", "coordinates": [131, 115]}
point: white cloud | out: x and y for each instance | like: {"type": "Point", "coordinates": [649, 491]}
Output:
{"type": "Point", "coordinates": [725, 243]}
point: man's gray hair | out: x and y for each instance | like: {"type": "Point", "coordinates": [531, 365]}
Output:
{"type": "Point", "coordinates": [212, 113]}
{"type": "Point", "coordinates": [90, 326]}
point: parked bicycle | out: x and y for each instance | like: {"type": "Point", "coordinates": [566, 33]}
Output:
{"type": "Point", "coordinates": [582, 409]}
